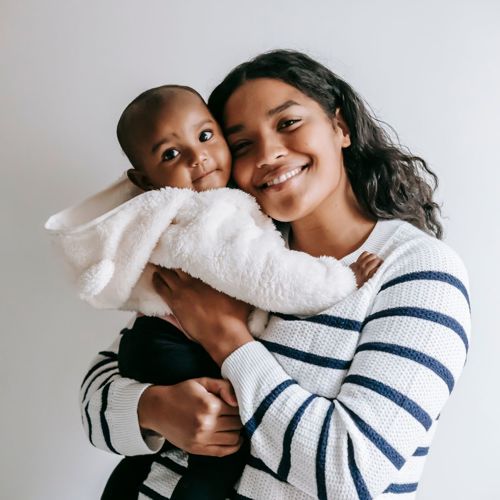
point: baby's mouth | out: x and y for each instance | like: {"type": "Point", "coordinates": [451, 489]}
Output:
{"type": "Point", "coordinates": [206, 174]}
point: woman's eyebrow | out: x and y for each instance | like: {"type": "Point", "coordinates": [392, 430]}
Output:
{"type": "Point", "coordinates": [282, 107]}
{"type": "Point", "coordinates": [278, 109]}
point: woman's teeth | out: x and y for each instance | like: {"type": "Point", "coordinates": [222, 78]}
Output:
{"type": "Point", "coordinates": [284, 177]}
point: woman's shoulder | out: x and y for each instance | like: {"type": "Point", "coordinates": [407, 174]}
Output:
{"type": "Point", "coordinates": [411, 250]}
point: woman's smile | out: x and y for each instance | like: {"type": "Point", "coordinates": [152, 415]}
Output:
{"type": "Point", "coordinates": [277, 179]}
{"type": "Point", "coordinates": [287, 152]}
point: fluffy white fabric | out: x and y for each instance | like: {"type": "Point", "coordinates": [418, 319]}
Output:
{"type": "Point", "coordinates": [112, 241]}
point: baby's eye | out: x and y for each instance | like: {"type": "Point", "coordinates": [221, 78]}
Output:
{"type": "Point", "coordinates": [287, 123]}
{"type": "Point", "coordinates": [206, 135]}
{"type": "Point", "coordinates": [170, 154]}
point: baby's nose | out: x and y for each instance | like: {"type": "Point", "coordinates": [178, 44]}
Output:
{"type": "Point", "coordinates": [199, 159]}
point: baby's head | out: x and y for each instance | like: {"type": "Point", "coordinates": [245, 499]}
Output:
{"type": "Point", "coordinates": [171, 139]}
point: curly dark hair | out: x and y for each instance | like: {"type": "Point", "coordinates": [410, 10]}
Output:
{"type": "Point", "coordinates": [387, 180]}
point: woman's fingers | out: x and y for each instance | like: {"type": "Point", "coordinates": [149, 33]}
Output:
{"type": "Point", "coordinates": [229, 423]}
{"type": "Point", "coordinates": [174, 275]}
{"type": "Point", "coordinates": [227, 438]}
{"type": "Point", "coordinates": [220, 451]}
{"type": "Point", "coordinates": [182, 275]}
{"type": "Point", "coordinates": [163, 289]}
{"type": "Point", "coordinates": [224, 390]}
{"type": "Point", "coordinates": [169, 276]}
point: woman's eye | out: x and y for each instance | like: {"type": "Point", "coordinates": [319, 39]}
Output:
{"type": "Point", "coordinates": [239, 148]}
{"type": "Point", "coordinates": [206, 135]}
{"type": "Point", "coordinates": [170, 154]}
{"type": "Point", "coordinates": [287, 123]}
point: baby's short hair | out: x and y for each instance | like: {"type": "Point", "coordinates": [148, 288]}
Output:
{"type": "Point", "coordinates": [149, 99]}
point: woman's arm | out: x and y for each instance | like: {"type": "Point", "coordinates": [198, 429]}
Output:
{"type": "Point", "coordinates": [109, 408]}
{"type": "Point", "coordinates": [199, 415]}
{"type": "Point", "coordinates": [411, 351]}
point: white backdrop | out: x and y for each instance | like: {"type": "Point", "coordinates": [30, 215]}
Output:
{"type": "Point", "coordinates": [68, 68]}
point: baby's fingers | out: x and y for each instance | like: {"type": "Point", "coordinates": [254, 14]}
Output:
{"type": "Point", "coordinates": [372, 267]}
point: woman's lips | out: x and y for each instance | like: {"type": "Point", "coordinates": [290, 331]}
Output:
{"type": "Point", "coordinates": [278, 182]}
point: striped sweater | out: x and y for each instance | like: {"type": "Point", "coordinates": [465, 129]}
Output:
{"type": "Point", "coordinates": [341, 405]}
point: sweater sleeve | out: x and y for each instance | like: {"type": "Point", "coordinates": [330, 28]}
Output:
{"type": "Point", "coordinates": [108, 405]}
{"type": "Point", "coordinates": [411, 350]}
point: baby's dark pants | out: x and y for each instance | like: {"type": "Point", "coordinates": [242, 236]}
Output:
{"type": "Point", "coordinates": [154, 351]}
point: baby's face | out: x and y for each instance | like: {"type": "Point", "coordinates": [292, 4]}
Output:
{"type": "Point", "coordinates": [179, 144]}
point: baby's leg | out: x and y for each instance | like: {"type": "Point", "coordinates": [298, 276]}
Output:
{"type": "Point", "coordinates": [155, 351]}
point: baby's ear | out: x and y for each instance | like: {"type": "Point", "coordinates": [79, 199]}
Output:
{"type": "Point", "coordinates": [139, 179]}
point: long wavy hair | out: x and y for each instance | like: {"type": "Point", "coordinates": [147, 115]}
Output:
{"type": "Point", "coordinates": [387, 180]}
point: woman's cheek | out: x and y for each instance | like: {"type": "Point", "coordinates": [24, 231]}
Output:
{"type": "Point", "coordinates": [242, 176]}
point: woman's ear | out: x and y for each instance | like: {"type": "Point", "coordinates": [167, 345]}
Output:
{"type": "Point", "coordinates": [339, 122]}
{"type": "Point", "coordinates": [139, 179]}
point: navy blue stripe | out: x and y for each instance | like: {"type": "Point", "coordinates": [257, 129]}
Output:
{"type": "Point", "coordinates": [257, 417]}
{"type": "Point", "coordinates": [326, 320]}
{"type": "Point", "coordinates": [426, 314]}
{"type": "Point", "coordinates": [145, 490]}
{"type": "Point", "coordinates": [385, 448]}
{"type": "Point", "coordinates": [258, 464]}
{"type": "Point", "coordinates": [102, 384]}
{"type": "Point", "coordinates": [104, 423]}
{"type": "Point", "coordinates": [429, 275]}
{"type": "Point", "coordinates": [321, 454]}
{"type": "Point", "coordinates": [94, 368]}
{"type": "Point", "coordinates": [171, 464]}
{"type": "Point", "coordinates": [359, 482]}
{"type": "Point", "coordinates": [285, 464]}
{"type": "Point", "coordinates": [307, 357]}
{"type": "Point", "coordinates": [416, 411]}
{"type": "Point", "coordinates": [97, 375]}
{"type": "Point", "coordinates": [419, 357]}
{"type": "Point", "coordinates": [402, 488]}
{"type": "Point", "coordinates": [421, 452]}
{"type": "Point", "coordinates": [89, 422]}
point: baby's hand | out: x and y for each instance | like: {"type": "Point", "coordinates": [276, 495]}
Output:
{"type": "Point", "coordinates": [365, 267]}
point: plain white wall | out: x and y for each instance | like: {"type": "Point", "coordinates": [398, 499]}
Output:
{"type": "Point", "coordinates": [68, 68]}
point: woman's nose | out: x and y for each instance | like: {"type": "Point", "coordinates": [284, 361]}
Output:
{"type": "Point", "coordinates": [270, 151]}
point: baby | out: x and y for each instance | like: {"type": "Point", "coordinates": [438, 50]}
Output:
{"type": "Point", "coordinates": [172, 141]}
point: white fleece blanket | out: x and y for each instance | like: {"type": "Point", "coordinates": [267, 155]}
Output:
{"type": "Point", "coordinates": [111, 241]}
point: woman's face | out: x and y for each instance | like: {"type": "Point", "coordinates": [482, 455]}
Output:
{"type": "Point", "coordinates": [287, 152]}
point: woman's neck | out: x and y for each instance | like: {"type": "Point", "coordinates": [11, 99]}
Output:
{"type": "Point", "coordinates": [336, 228]}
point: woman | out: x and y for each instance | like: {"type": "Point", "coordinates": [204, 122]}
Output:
{"type": "Point", "coordinates": [340, 405]}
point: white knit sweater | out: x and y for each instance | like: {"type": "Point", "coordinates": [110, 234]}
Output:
{"type": "Point", "coordinates": [341, 405]}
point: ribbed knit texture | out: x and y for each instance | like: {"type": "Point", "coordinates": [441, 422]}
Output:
{"type": "Point", "coordinates": [341, 405]}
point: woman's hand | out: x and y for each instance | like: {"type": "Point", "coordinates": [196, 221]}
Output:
{"type": "Point", "coordinates": [199, 416]}
{"type": "Point", "coordinates": [215, 320]}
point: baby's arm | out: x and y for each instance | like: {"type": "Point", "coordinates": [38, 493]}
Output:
{"type": "Point", "coordinates": [228, 243]}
